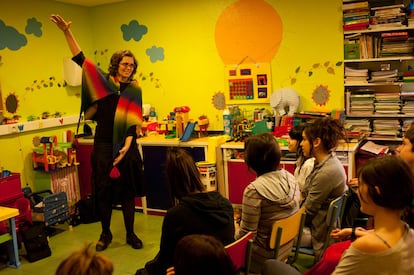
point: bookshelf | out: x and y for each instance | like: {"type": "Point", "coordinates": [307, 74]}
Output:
{"type": "Point", "coordinates": [379, 62]}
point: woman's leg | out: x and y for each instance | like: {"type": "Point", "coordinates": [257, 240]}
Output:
{"type": "Point", "coordinates": [101, 165]}
{"type": "Point", "coordinates": [128, 210]}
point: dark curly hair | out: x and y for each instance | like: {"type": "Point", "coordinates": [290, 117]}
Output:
{"type": "Point", "coordinates": [116, 59]}
{"type": "Point", "coordinates": [262, 153]}
{"type": "Point", "coordinates": [329, 130]}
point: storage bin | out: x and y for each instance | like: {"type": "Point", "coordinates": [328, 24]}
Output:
{"type": "Point", "coordinates": [10, 187]}
{"type": "Point", "coordinates": [53, 209]}
{"type": "Point", "coordinates": [208, 174]}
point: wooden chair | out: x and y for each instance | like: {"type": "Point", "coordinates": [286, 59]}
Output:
{"type": "Point", "coordinates": [240, 252]}
{"type": "Point", "coordinates": [334, 214]}
{"type": "Point", "coordinates": [285, 231]}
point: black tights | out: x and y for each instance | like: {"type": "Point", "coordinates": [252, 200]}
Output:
{"type": "Point", "coordinates": [128, 211]}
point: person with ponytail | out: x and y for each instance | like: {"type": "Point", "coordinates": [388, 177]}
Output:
{"type": "Point", "coordinates": [327, 180]}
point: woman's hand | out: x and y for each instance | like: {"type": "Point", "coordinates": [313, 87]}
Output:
{"type": "Point", "coordinates": [340, 234]}
{"type": "Point", "coordinates": [353, 183]}
{"type": "Point", "coordinates": [120, 156]}
{"type": "Point", "coordinates": [122, 152]}
{"type": "Point", "coordinates": [60, 22]}
{"type": "Point", "coordinates": [170, 271]}
{"type": "Point", "coordinates": [65, 27]}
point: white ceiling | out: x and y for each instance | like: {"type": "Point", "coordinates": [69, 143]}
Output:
{"type": "Point", "coordinates": [89, 3]}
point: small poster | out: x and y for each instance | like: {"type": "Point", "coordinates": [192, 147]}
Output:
{"type": "Point", "coordinates": [248, 83]}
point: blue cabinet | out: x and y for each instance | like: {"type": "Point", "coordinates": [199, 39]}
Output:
{"type": "Point", "coordinates": [158, 193]}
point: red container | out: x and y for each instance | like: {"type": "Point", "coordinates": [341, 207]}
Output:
{"type": "Point", "coordinates": [10, 187]}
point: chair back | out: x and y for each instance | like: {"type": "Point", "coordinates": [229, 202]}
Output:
{"type": "Point", "coordinates": [240, 252]}
{"type": "Point", "coordinates": [285, 231]}
{"type": "Point", "coordinates": [335, 211]}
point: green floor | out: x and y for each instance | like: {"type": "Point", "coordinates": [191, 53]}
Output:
{"type": "Point", "coordinates": [125, 259]}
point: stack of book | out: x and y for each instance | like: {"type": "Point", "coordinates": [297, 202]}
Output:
{"type": "Point", "coordinates": [356, 76]}
{"type": "Point", "coordinates": [408, 106]}
{"type": "Point", "coordinates": [396, 43]}
{"type": "Point", "coordinates": [386, 128]}
{"type": "Point", "coordinates": [408, 76]}
{"type": "Point", "coordinates": [387, 103]}
{"type": "Point", "coordinates": [356, 127]}
{"type": "Point", "coordinates": [387, 16]}
{"type": "Point", "coordinates": [355, 15]}
{"type": "Point", "coordinates": [410, 18]}
{"type": "Point", "coordinates": [384, 76]}
{"type": "Point", "coordinates": [407, 98]}
{"type": "Point", "coordinates": [361, 102]}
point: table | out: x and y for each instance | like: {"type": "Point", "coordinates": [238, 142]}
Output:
{"type": "Point", "coordinates": [7, 213]}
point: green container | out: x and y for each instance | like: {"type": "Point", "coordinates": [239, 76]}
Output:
{"type": "Point", "coordinates": [260, 127]}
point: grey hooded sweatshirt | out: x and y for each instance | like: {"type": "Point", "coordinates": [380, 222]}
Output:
{"type": "Point", "coordinates": [270, 197]}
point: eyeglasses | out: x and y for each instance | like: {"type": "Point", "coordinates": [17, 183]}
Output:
{"type": "Point", "coordinates": [127, 65]}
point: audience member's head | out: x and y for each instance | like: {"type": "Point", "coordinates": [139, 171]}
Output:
{"type": "Point", "coordinates": [262, 153]}
{"type": "Point", "coordinates": [182, 173]}
{"type": "Point", "coordinates": [387, 182]}
{"type": "Point", "coordinates": [406, 149]}
{"type": "Point", "coordinates": [328, 130]}
{"type": "Point", "coordinates": [202, 255]}
{"type": "Point", "coordinates": [85, 262]}
{"type": "Point", "coordinates": [295, 138]}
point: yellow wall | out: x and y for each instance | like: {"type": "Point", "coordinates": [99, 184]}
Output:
{"type": "Point", "coordinates": [191, 72]}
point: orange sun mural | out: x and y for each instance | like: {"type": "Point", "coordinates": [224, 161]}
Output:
{"type": "Point", "coordinates": [248, 28]}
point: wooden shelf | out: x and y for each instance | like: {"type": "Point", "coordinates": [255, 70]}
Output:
{"type": "Point", "coordinates": [380, 30]}
{"type": "Point", "coordinates": [379, 59]}
{"type": "Point", "coordinates": [373, 84]}
{"type": "Point", "coordinates": [42, 124]}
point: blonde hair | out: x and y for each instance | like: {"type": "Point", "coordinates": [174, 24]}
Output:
{"type": "Point", "coordinates": [85, 262]}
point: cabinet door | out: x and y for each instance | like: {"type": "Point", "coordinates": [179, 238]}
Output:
{"type": "Point", "coordinates": [288, 166]}
{"type": "Point", "coordinates": [239, 176]}
{"type": "Point", "coordinates": [158, 192]}
{"type": "Point", "coordinates": [83, 156]}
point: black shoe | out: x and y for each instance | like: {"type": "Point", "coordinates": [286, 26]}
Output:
{"type": "Point", "coordinates": [134, 241]}
{"type": "Point", "coordinates": [104, 240]}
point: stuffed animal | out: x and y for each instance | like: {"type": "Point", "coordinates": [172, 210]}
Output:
{"type": "Point", "coordinates": [284, 101]}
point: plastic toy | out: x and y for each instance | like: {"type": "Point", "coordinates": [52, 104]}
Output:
{"type": "Point", "coordinates": [285, 99]}
{"type": "Point", "coordinates": [50, 154]}
{"type": "Point", "coordinates": [203, 125]}
{"type": "Point", "coordinates": [181, 119]}
{"type": "Point", "coordinates": [44, 154]}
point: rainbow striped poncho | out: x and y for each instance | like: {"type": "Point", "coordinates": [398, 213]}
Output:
{"type": "Point", "coordinates": [96, 86]}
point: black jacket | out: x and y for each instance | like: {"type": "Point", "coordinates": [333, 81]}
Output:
{"type": "Point", "coordinates": [202, 213]}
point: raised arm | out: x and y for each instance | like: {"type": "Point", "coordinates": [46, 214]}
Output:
{"type": "Point", "coordinates": [65, 27]}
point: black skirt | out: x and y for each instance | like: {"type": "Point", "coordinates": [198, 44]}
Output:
{"type": "Point", "coordinates": [131, 182]}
